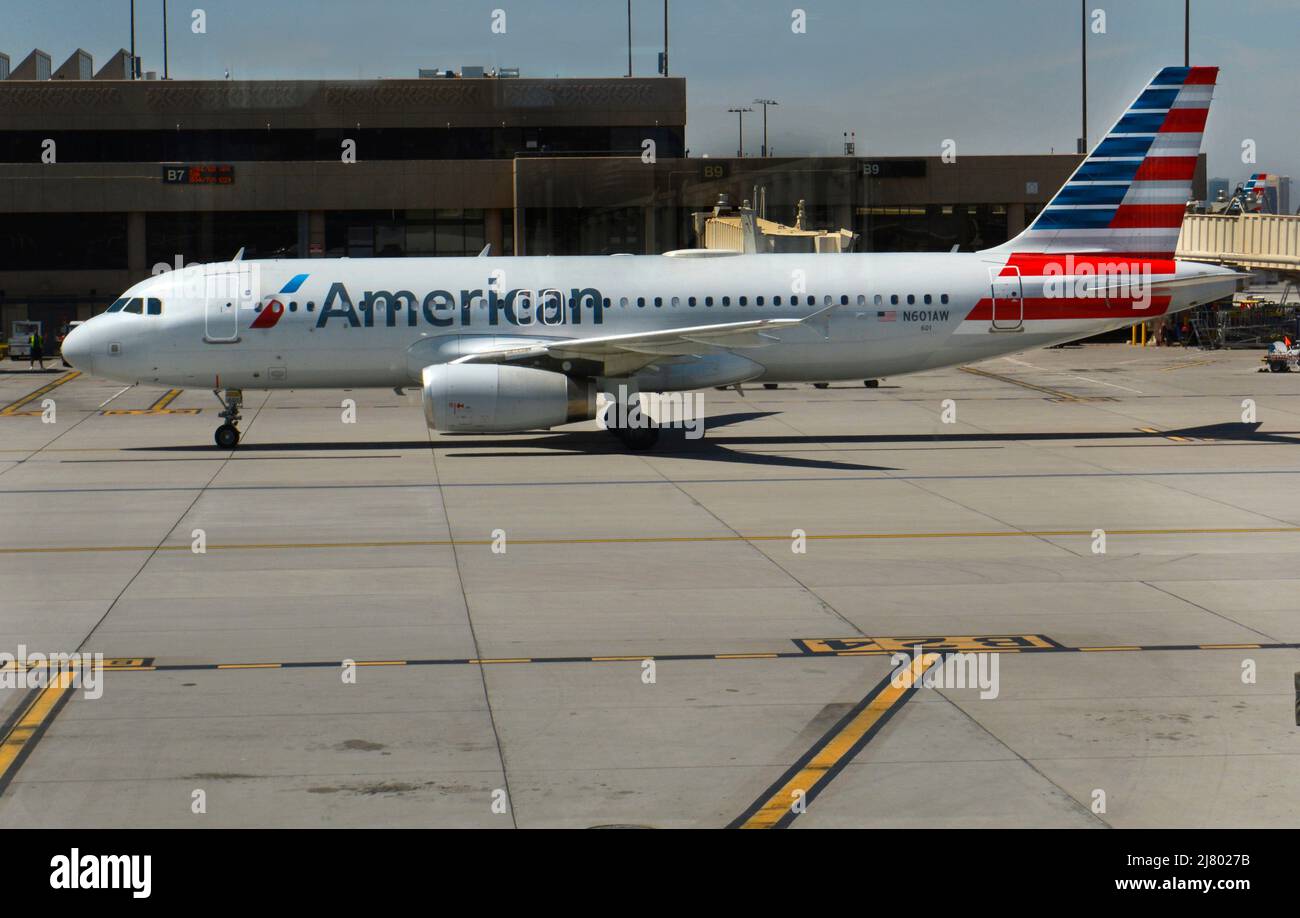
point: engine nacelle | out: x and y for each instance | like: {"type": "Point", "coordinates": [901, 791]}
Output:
{"type": "Point", "coordinates": [488, 398]}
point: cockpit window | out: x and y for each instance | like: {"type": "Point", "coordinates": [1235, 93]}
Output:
{"type": "Point", "coordinates": [136, 305]}
{"type": "Point", "coordinates": [155, 306]}
{"type": "Point", "coordinates": [118, 306]}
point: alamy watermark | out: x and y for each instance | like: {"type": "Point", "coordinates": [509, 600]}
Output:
{"type": "Point", "coordinates": [24, 670]}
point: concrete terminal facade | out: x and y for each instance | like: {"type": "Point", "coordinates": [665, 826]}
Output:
{"type": "Point", "coordinates": [97, 190]}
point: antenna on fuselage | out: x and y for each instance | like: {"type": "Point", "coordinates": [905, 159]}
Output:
{"type": "Point", "coordinates": [239, 256]}
{"type": "Point", "coordinates": [487, 250]}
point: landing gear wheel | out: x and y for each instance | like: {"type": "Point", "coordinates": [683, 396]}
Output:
{"type": "Point", "coordinates": [227, 436]}
{"type": "Point", "coordinates": [821, 385]}
{"type": "Point", "coordinates": [871, 383]}
{"type": "Point", "coordinates": [639, 438]}
{"type": "Point", "coordinates": [769, 385]}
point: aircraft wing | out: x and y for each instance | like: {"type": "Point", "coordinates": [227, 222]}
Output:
{"type": "Point", "coordinates": [616, 355]}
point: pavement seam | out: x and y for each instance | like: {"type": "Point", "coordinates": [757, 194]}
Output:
{"type": "Point", "coordinates": [473, 633]}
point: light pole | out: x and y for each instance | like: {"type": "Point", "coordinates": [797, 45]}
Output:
{"type": "Point", "coordinates": [133, 39]}
{"type": "Point", "coordinates": [1083, 79]}
{"type": "Point", "coordinates": [166, 68]}
{"type": "Point", "coordinates": [740, 120]}
{"type": "Point", "coordinates": [629, 37]}
{"type": "Point", "coordinates": [765, 103]}
{"type": "Point", "coordinates": [665, 37]}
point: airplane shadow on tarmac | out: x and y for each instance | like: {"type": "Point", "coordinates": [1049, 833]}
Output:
{"type": "Point", "coordinates": [714, 446]}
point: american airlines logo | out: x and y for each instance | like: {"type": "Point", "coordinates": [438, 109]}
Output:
{"type": "Point", "coordinates": [443, 308]}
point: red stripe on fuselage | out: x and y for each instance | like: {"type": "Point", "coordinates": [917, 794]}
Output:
{"type": "Point", "coordinates": [1070, 308]}
{"type": "Point", "coordinates": [1035, 264]}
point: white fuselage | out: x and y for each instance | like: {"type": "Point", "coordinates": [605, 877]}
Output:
{"type": "Point", "coordinates": [378, 322]}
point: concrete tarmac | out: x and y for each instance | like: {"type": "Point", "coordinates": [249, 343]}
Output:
{"type": "Point", "coordinates": [556, 632]}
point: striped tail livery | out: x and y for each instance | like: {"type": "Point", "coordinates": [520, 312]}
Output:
{"type": "Point", "coordinates": [1130, 194]}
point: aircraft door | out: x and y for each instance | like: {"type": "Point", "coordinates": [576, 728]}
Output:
{"type": "Point", "coordinates": [225, 294]}
{"type": "Point", "coordinates": [1008, 295]}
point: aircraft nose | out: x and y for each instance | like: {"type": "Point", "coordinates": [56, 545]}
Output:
{"type": "Point", "coordinates": [77, 348]}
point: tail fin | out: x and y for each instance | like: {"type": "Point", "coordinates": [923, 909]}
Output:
{"type": "Point", "coordinates": [1261, 193]}
{"type": "Point", "coordinates": [1130, 194]}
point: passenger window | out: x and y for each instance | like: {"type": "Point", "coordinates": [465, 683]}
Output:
{"type": "Point", "coordinates": [944, 299]}
{"type": "Point", "coordinates": [677, 301]}
{"type": "Point", "coordinates": [659, 301]}
{"type": "Point", "coordinates": [758, 301]}
{"type": "Point", "coordinates": [911, 299]}
{"type": "Point", "coordinates": [118, 306]}
{"type": "Point", "coordinates": [726, 301]}
{"type": "Point", "coordinates": [623, 302]}
{"type": "Point", "coordinates": [776, 301]}
{"type": "Point", "coordinates": [844, 300]}
{"type": "Point", "coordinates": [136, 306]}
{"type": "Point", "coordinates": [708, 301]}
{"type": "Point", "coordinates": [293, 307]}
{"type": "Point", "coordinates": [927, 299]}
{"type": "Point", "coordinates": [691, 301]}
{"type": "Point", "coordinates": [640, 302]}
{"type": "Point", "coordinates": [812, 301]}
{"type": "Point", "coordinates": [879, 300]}
{"type": "Point", "coordinates": [311, 307]}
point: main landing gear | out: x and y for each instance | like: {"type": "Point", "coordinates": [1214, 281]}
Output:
{"type": "Point", "coordinates": [227, 435]}
{"type": "Point", "coordinates": [623, 418]}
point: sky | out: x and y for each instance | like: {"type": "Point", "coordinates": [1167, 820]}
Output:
{"type": "Point", "coordinates": [998, 76]}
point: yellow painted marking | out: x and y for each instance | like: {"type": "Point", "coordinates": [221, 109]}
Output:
{"type": "Point", "coordinates": [807, 778]}
{"type": "Point", "coordinates": [12, 407]}
{"type": "Point", "coordinates": [1055, 393]}
{"type": "Point", "coordinates": [168, 397]}
{"type": "Point", "coordinates": [657, 540]}
{"type": "Point", "coordinates": [744, 656]}
{"type": "Point", "coordinates": [248, 666]}
{"type": "Point", "coordinates": [158, 407]}
{"type": "Point", "coordinates": [37, 714]}
{"type": "Point", "coordinates": [1230, 646]}
{"type": "Point", "coordinates": [966, 643]}
{"type": "Point", "coordinates": [619, 659]}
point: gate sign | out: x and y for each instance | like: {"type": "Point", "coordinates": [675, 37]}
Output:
{"type": "Point", "coordinates": [199, 174]}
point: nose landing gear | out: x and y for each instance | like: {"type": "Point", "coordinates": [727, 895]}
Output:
{"type": "Point", "coordinates": [227, 435]}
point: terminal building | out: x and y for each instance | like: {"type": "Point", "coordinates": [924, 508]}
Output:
{"type": "Point", "coordinates": [104, 178]}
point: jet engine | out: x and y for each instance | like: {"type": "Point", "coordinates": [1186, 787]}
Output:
{"type": "Point", "coordinates": [488, 398]}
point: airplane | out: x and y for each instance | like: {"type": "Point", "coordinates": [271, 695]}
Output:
{"type": "Point", "coordinates": [500, 345]}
